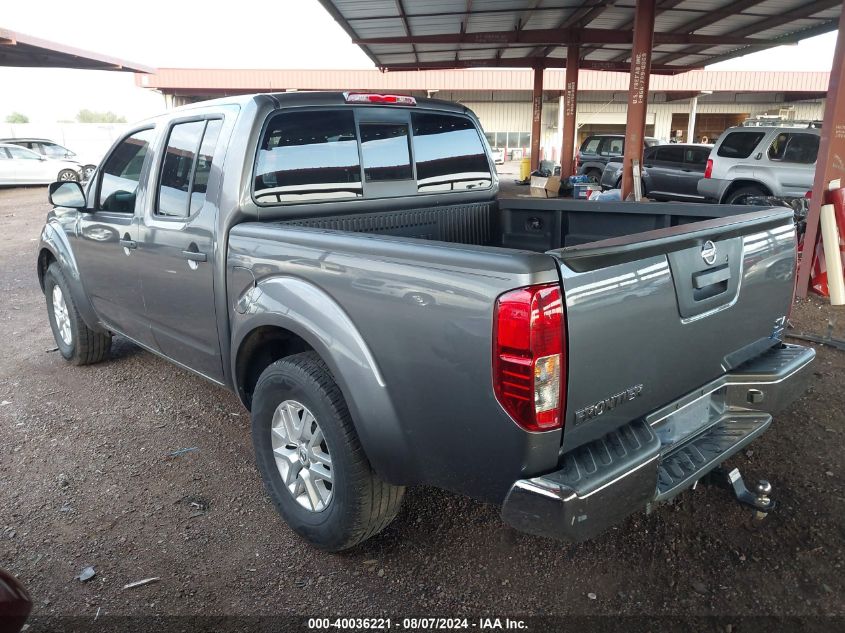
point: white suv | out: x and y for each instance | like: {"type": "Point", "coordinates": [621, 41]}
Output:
{"type": "Point", "coordinates": [752, 161]}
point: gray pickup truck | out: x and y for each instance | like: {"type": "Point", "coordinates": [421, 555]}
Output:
{"type": "Point", "coordinates": [343, 263]}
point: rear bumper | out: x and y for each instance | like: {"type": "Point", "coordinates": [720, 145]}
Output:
{"type": "Point", "coordinates": [713, 189]}
{"type": "Point", "coordinates": [653, 459]}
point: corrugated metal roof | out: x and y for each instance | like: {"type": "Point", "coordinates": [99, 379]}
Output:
{"type": "Point", "coordinates": [245, 80]}
{"type": "Point", "coordinates": [744, 26]}
{"type": "Point", "coordinates": [20, 50]}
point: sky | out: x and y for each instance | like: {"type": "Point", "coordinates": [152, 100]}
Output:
{"type": "Point", "coordinates": [260, 34]}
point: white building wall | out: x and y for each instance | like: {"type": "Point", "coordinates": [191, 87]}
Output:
{"type": "Point", "coordinates": [516, 116]}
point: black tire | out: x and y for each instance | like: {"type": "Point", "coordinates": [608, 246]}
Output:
{"type": "Point", "coordinates": [67, 175]}
{"type": "Point", "coordinates": [361, 504]}
{"type": "Point", "coordinates": [86, 346]}
{"type": "Point", "coordinates": [88, 171]}
{"type": "Point", "coordinates": [738, 195]}
{"type": "Point", "coordinates": [593, 174]}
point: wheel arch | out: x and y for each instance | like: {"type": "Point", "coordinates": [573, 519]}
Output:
{"type": "Point", "coordinates": [54, 247]}
{"type": "Point", "coordinates": [744, 182]}
{"type": "Point", "coordinates": [287, 316]}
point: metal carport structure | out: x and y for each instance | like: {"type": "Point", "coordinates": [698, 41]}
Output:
{"type": "Point", "coordinates": [642, 37]}
{"type": "Point", "coordinates": [24, 51]}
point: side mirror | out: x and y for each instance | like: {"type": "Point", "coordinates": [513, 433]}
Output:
{"type": "Point", "coordinates": [67, 194]}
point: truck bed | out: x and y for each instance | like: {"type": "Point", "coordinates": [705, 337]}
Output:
{"type": "Point", "coordinates": [648, 319]}
{"type": "Point", "coordinates": [522, 223]}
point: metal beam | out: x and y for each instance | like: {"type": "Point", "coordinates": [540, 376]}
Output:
{"type": "Point", "coordinates": [830, 163]}
{"type": "Point", "coordinates": [638, 91]}
{"type": "Point", "coordinates": [401, 9]}
{"type": "Point", "coordinates": [536, 117]}
{"type": "Point", "coordinates": [557, 37]}
{"type": "Point", "coordinates": [532, 62]}
{"type": "Point", "coordinates": [581, 17]}
{"type": "Point", "coordinates": [567, 147]}
{"type": "Point", "coordinates": [666, 5]}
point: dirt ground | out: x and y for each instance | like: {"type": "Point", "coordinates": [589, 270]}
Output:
{"type": "Point", "coordinates": [87, 477]}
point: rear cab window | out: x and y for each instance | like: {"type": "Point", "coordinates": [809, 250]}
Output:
{"type": "Point", "coordinates": [448, 153]}
{"type": "Point", "coordinates": [307, 157]}
{"type": "Point", "coordinates": [697, 156]}
{"type": "Point", "coordinates": [321, 155]}
{"type": "Point", "coordinates": [739, 144]}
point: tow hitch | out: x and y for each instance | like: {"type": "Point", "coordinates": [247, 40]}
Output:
{"type": "Point", "coordinates": [760, 500]}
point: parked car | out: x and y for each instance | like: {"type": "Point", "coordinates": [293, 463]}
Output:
{"type": "Point", "coordinates": [54, 151]}
{"type": "Point", "coordinates": [21, 166]}
{"type": "Point", "coordinates": [761, 161]}
{"type": "Point", "coordinates": [343, 264]}
{"type": "Point", "coordinates": [598, 149]}
{"type": "Point", "coordinates": [498, 154]}
{"type": "Point", "coordinates": [670, 172]}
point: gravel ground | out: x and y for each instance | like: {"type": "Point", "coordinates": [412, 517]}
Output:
{"type": "Point", "coordinates": [87, 478]}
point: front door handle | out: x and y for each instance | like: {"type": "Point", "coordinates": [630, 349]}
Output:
{"type": "Point", "coordinates": [130, 244]}
{"type": "Point", "coordinates": [194, 256]}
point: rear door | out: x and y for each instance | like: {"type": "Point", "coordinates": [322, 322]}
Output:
{"type": "Point", "coordinates": [692, 170]}
{"type": "Point", "coordinates": [176, 244]}
{"type": "Point", "coordinates": [663, 164]}
{"type": "Point", "coordinates": [657, 315]}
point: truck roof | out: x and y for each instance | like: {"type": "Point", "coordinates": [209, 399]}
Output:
{"type": "Point", "coordinates": [315, 98]}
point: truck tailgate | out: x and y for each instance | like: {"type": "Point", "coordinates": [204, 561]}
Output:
{"type": "Point", "coordinates": [655, 315]}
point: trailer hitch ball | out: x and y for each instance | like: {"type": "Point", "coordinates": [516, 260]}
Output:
{"type": "Point", "coordinates": [764, 500]}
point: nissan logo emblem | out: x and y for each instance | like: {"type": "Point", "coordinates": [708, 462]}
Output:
{"type": "Point", "coordinates": [708, 253]}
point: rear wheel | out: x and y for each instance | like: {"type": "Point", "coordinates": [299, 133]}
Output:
{"type": "Point", "coordinates": [76, 341]}
{"type": "Point", "coordinates": [740, 194]}
{"type": "Point", "coordinates": [311, 460]}
{"type": "Point", "coordinates": [67, 175]}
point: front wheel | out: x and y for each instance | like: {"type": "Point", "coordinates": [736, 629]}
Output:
{"type": "Point", "coordinates": [76, 341]}
{"type": "Point", "coordinates": [67, 175]}
{"type": "Point", "coordinates": [88, 171]}
{"type": "Point", "coordinates": [311, 460]}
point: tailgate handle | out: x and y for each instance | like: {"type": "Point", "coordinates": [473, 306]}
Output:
{"type": "Point", "coordinates": [710, 277]}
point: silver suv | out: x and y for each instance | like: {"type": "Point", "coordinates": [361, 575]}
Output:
{"type": "Point", "coordinates": [755, 160]}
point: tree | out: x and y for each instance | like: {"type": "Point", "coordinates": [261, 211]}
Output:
{"type": "Point", "coordinates": [89, 116]}
{"type": "Point", "coordinates": [17, 117]}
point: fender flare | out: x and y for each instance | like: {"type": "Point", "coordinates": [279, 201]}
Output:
{"type": "Point", "coordinates": [54, 241]}
{"type": "Point", "coordinates": [309, 312]}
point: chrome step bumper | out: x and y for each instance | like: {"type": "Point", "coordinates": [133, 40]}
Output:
{"type": "Point", "coordinates": [654, 459]}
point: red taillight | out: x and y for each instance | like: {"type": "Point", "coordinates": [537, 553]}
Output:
{"type": "Point", "coordinates": [809, 195]}
{"type": "Point", "coordinates": [529, 356]}
{"type": "Point", "coordinates": [366, 97]}
{"type": "Point", "coordinates": [708, 171]}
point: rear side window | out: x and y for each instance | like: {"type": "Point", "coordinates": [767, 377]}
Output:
{"type": "Point", "coordinates": [307, 157]}
{"type": "Point", "coordinates": [591, 145]}
{"type": "Point", "coordinates": [697, 156]}
{"type": "Point", "coordinates": [612, 147]}
{"type": "Point", "coordinates": [448, 153]}
{"type": "Point", "coordinates": [794, 148]}
{"type": "Point", "coordinates": [185, 168]}
{"type": "Point", "coordinates": [384, 148]}
{"type": "Point", "coordinates": [122, 171]}
{"type": "Point", "coordinates": [669, 154]}
{"type": "Point", "coordinates": [740, 144]}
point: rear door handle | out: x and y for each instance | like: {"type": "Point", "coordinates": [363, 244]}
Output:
{"type": "Point", "coordinates": [130, 244]}
{"type": "Point", "coordinates": [195, 256]}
